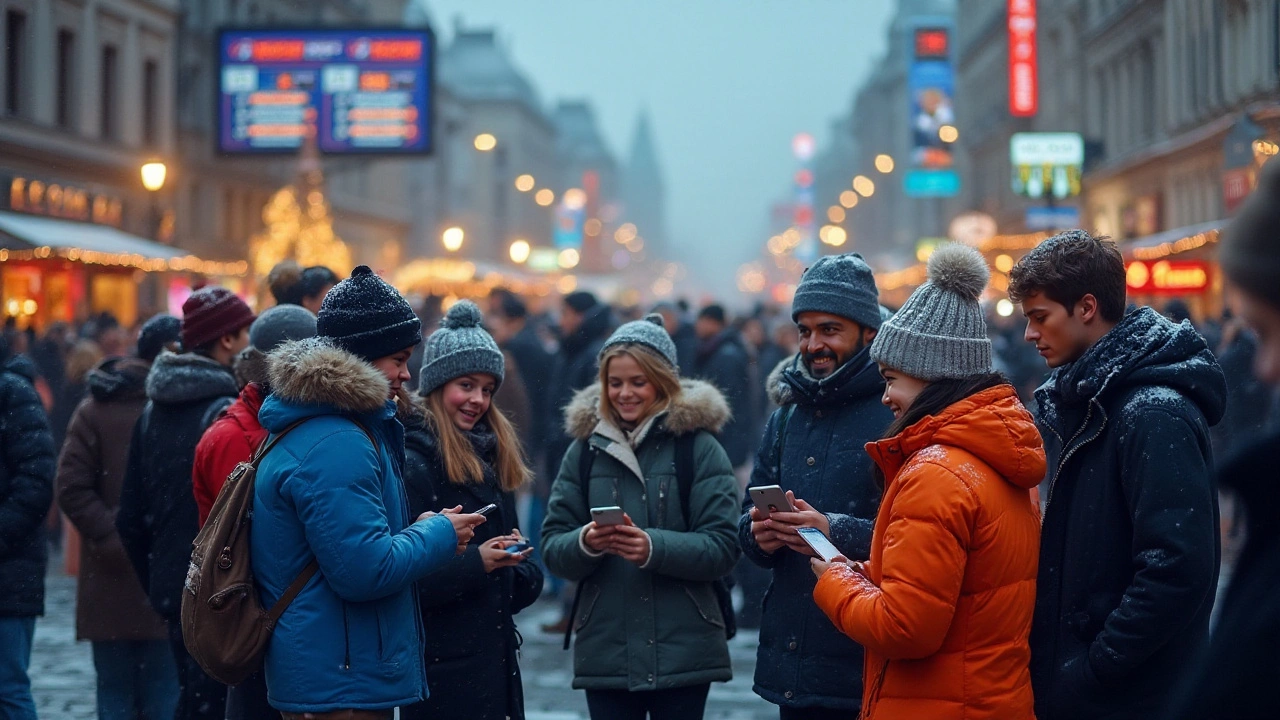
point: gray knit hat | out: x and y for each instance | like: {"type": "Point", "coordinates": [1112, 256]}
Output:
{"type": "Point", "coordinates": [460, 347]}
{"type": "Point", "coordinates": [841, 285]}
{"type": "Point", "coordinates": [280, 324]}
{"type": "Point", "coordinates": [648, 332]}
{"type": "Point", "coordinates": [941, 331]}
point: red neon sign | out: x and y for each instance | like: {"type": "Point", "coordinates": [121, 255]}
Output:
{"type": "Point", "coordinates": [932, 43]}
{"type": "Point", "coordinates": [1024, 95]}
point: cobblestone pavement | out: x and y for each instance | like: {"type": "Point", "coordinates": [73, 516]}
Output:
{"type": "Point", "coordinates": [62, 674]}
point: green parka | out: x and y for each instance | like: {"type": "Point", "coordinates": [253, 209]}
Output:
{"type": "Point", "coordinates": [659, 626]}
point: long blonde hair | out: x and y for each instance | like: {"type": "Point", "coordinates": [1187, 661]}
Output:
{"type": "Point", "coordinates": [656, 370]}
{"type": "Point", "coordinates": [461, 464]}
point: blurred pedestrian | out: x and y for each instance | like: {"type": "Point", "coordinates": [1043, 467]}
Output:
{"type": "Point", "coordinates": [1129, 549]}
{"type": "Point", "coordinates": [722, 361]}
{"type": "Point", "coordinates": [83, 357]}
{"type": "Point", "coordinates": [956, 539]}
{"type": "Point", "coordinates": [585, 324]}
{"type": "Point", "coordinates": [462, 451]}
{"type": "Point", "coordinates": [136, 673]}
{"type": "Point", "coordinates": [682, 334]}
{"type": "Point", "coordinates": [1235, 678]}
{"type": "Point", "coordinates": [829, 407]}
{"type": "Point", "coordinates": [232, 439]}
{"type": "Point", "coordinates": [650, 633]}
{"type": "Point", "coordinates": [329, 511]}
{"type": "Point", "coordinates": [157, 519]}
{"type": "Point", "coordinates": [26, 489]}
{"type": "Point", "coordinates": [291, 284]}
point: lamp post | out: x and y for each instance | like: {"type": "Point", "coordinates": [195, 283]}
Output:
{"type": "Point", "coordinates": [153, 177]}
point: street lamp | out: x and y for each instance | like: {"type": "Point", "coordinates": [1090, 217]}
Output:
{"type": "Point", "coordinates": [520, 251]}
{"type": "Point", "coordinates": [545, 197]}
{"type": "Point", "coordinates": [485, 142]}
{"type": "Point", "coordinates": [884, 163]}
{"type": "Point", "coordinates": [864, 186]}
{"type": "Point", "coordinates": [948, 134]}
{"type": "Point", "coordinates": [452, 239]}
{"type": "Point", "coordinates": [153, 175]}
{"type": "Point", "coordinates": [524, 183]}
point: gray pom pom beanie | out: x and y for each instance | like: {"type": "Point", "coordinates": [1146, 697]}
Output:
{"type": "Point", "coordinates": [940, 332]}
{"type": "Point", "coordinates": [840, 285]}
{"type": "Point", "coordinates": [460, 347]}
{"type": "Point", "coordinates": [648, 332]}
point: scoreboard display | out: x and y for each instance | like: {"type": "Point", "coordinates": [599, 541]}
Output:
{"type": "Point", "coordinates": [358, 91]}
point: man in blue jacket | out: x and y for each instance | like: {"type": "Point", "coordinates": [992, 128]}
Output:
{"type": "Point", "coordinates": [332, 491]}
{"type": "Point", "coordinates": [1129, 549]}
{"type": "Point", "coordinates": [829, 407]}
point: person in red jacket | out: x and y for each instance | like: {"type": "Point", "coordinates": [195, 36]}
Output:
{"type": "Point", "coordinates": [233, 437]}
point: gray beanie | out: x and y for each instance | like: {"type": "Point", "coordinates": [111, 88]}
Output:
{"type": "Point", "coordinates": [941, 331]}
{"type": "Point", "coordinates": [460, 347]}
{"type": "Point", "coordinates": [280, 324]}
{"type": "Point", "coordinates": [648, 332]}
{"type": "Point", "coordinates": [840, 285]}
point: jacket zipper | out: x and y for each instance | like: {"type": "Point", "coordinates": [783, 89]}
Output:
{"type": "Point", "coordinates": [1088, 415]}
{"type": "Point", "coordinates": [875, 690]}
{"type": "Point", "coordinates": [346, 639]}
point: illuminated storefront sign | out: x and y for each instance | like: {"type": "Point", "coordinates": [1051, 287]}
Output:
{"type": "Point", "coordinates": [60, 200]}
{"type": "Point", "coordinates": [1046, 163]}
{"type": "Point", "coordinates": [1024, 95]}
{"type": "Point", "coordinates": [931, 95]}
{"type": "Point", "coordinates": [1168, 277]}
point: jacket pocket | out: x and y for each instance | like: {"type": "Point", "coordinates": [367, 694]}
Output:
{"type": "Point", "coordinates": [590, 594]}
{"type": "Point", "coordinates": [707, 607]}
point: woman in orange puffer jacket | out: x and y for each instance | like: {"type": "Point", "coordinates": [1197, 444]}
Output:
{"type": "Point", "coordinates": [943, 606]}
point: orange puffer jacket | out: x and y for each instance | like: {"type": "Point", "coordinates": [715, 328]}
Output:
{"type": "Point", "coordinates": [945, 608]}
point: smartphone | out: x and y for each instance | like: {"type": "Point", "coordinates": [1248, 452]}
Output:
{"type": "Point", "coordinates": [814, 538]}
{"type": "Point", "coordinates": [611, 515]}
{"type": "Point", "coordinates": [487, 509]}
{"type": "Point", "coordinates": [770, 498]}
{"type": "Point", "coordinates": [520, 547]}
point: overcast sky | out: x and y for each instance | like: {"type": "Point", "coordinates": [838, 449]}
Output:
{"type": "Point", "coordinates": [727, 83]}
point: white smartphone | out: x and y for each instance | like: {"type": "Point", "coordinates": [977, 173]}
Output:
{"type": "Point", "coordinates": [814, 538]}
{"type": "Point", "coordinates": [770, 498]}
{"type": "Point", "coordinates": [611, 515]}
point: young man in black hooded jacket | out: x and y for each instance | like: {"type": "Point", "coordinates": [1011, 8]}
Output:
{"type": "Point", "coordinates": [1129, 549]}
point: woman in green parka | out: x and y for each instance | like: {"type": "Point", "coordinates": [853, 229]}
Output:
{"type": "Point", "coordinates": [650, 636]}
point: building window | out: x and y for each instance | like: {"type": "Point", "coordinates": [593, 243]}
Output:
{"type": "Point", "coordinates": [15, 36]}
{"type": "Point", "coordinates": [66, 79]}
{"type": "Point", "coordinates": [150, 86]}
{"type": "Point", "coordinates": [108, 124]}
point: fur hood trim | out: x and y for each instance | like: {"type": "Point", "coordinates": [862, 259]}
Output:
{"type": "Point", "coordinates": [314, 372]}
{"type": "Point", "coordinates": [187, 378]}
{"type": "Point", "coordinates": [780, 393]}
{"type": "Point", "coordinates": [700, 407]}
{"type": "Point", "coordinates": [251, 367]}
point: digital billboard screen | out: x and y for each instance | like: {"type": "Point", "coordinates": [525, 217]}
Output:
{"type": "Point", "coordinates": [360, 91]}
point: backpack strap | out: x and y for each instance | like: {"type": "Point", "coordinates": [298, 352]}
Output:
{"type": "Point", "coordinates": [780, 442]}
{"type": "Point", "coordinates": [282, 604]}
{"type": "Point", "coordinates": [586, 459]}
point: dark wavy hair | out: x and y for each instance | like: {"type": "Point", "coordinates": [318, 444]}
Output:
{"type": "Point", "coordinates": [291, 284]}
{"type": "Point", "coordinates": [933, 399]}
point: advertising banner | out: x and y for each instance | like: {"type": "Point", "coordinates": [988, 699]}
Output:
{"type": "Point", "coordinates": [1024, 95]}
{"type": "Point", "coordinates": [931, 94]}
{"type": "Point", "coordinates": [1047, 164]}
{"type": "Point", "coordinates": [359, 91]}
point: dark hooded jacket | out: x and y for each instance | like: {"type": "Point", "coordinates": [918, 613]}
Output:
{"type": "Point", "coordinates": [575, 367]}
{"type": "Point", "coordinates": [26, 487]}
{"type": "Point", "coordinates": [472, 641]}
{"type": "Point", "coordinates": [1236, 678]}
{"type": "Point", "coordinates": [110, 602]}
{"type": "Point", "coordinates": [1129, 551]}
{"type": "Point", "coordinates": [157, 517]}
{"type": "Point", "coordinates": [723, 362]}
{"type": "Point", "coordinates": [803, 660]}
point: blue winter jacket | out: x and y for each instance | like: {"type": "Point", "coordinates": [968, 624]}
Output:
{"type": "Point", "coordinates": [353, 638]}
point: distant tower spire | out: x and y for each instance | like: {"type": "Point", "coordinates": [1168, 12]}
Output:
{"type": "Point", "coordinates": [644, 192]}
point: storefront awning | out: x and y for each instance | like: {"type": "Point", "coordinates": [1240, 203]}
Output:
{"type": "Point", "coordinates": [32, 237]}
{"type": "Point", "coordinates": [1173, 241]}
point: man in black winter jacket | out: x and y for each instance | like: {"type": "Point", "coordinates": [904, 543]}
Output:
{"type": "Point", "coordinates": [1129, 549]}
{"type": "Point", "coordinates": [829, 407]}
{"type": "Point", "coordinates": [722, 361]}
{"type": "Point", "coordinates": [157, 519]}
{"type": "Point", "coordinates": [27, 467]}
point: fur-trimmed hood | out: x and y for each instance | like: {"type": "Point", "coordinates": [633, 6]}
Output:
{"type": "Point", "coordinates": [314, 372]}
{"type": "Point", "coordinates": [790, 382]}
{"type": "Point", "coordinates": [119, 378]}
{"type": "Point", "coordinates": [700, 407]}
{"type": "Point", "coordinates": [189, 378]}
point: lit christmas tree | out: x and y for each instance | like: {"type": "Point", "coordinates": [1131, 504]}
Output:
{"type": "Point", "coordinates": [298, 224]}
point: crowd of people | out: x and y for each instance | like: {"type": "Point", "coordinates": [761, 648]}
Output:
{"type": "Point", "coordinates": [1012, 520]}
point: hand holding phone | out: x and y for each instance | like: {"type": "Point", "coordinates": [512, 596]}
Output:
{"type": "Point", "coordinates": [519, 547]}
{"type": "Point", "coordinates": [770, 499]}
{"type": "Point", "coordinates": [819, 543]}
{"type": "Point", "coordinates": [609, 515]}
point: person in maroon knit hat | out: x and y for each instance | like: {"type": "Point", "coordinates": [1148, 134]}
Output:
{"type": "Point", "coordinates": [157, 517]}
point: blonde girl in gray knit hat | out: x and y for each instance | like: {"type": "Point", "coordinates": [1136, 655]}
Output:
{"type": "Point", "coordinates": [462, 454]}
{"type": "Point", "coordinates": [643, 515]}
{"type": "Point", "coordinates": [956, 539]}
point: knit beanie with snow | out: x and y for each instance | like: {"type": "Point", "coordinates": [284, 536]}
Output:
{"type": "Point", "coordinates": [940, 332]}
{"type": "Point", "coordinates": [211, 312]}
{"type": "Point", "coordinates": [648, 332]}
{"type": "Point", "coordinates": [157, 333]}
{"type": "Point", "coordinates": [840, 285]}
{"type": "Point", "coordinates": [460, 347]}
{"type": "Point", "coordinates": [367, 317]}
{"type": "Point", "coordinates": [1250, 247]}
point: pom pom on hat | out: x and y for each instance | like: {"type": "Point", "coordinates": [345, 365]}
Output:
{"type": "Point", "coordinates": [463, 314]}
{"type": "Point", "coordinates": [959, 269]}
{"type": "Point", "coordinates": [460, 347]}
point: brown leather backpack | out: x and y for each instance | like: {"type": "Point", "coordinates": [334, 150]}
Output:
{"type": "Point", "coordinates": [223, 624]}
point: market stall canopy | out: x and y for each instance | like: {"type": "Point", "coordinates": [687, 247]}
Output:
{"type": "Point", "coordinates": [1173, 241]}
{"type": "Point", "coordinates": [38, 238]}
